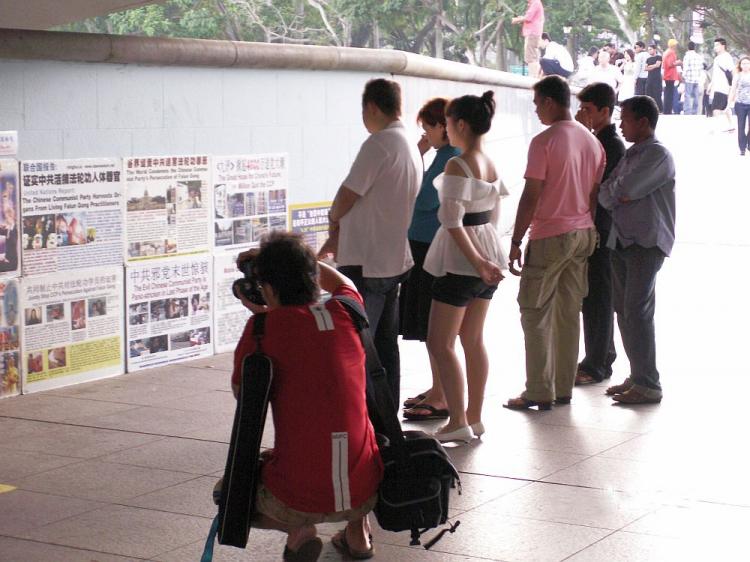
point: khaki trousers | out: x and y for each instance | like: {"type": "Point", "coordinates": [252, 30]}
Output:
{"type": "Point", "coordinates": [553, 285]}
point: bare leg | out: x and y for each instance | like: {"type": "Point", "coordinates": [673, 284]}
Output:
{"type": "Point", "coordinates": [477, 364]}
{"type": "Point", "coordinates": [297, 536]}
{"type": "Point", "coordinates": [445, 322]}
{"type": "Point", "coordinates": [435, 397]}
{"type": "Point", "coordinates": [357, 535]}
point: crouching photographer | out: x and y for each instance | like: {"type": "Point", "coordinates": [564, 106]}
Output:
{"type": "Point", "coordinates": [325, 465]}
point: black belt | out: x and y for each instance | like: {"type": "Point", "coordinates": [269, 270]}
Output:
{"type": "Point", "coordinates": [475, 219]}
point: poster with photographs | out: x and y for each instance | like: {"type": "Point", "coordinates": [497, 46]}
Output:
{"type": "Point", "coordinates": [10, 365]}
{"type": "Point", "coordinates": [230, 316]}
{"type": "Point", "coordinates": [71, 213]}
{"type": "Point", "coordinates": [250, 199]}
{"type": "Point", "coordinates": [169, 311]}
{"type": "Point", "coordinates": [72, 327]}
{"type": "Point", "coordinates": [311, 221]}
{"type": "Point", "coordinates": [9, 219]}
{"type": "Point", "coordinates": [168, 207]}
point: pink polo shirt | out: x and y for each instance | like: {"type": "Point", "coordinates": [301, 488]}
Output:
{"type": "Point", "coordinates": [570, 160]}
{"type": "Point", "coordinates": [533, 23]}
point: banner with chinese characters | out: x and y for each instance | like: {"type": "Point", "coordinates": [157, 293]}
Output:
{"type": "Point", "coordinates": [9, 219]}
{"type": "Point", "coordinates": [168, 311]}
{"type": "Point", "coordinates": [10, 365]}
{"type": "Point", "coordinates": [8, 143]}
{"type": "Point", "coordinates": [168, 206]}
{"type": "Point", "coordinates": [250, 199]}
{"type": "Point", "coordinates": [72, 327]}
{"type": "Point", "coordinates": [72, 214]}
{"type": "Point", "coordinates": [230, 316]}
{"type": "Point", "coordinates": [311, 221]}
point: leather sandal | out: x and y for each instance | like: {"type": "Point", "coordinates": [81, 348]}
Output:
{"type": "Point", "coordinates": [620, 388]}
{"type": "Point", "coordinates": [339, 541]}
{"type": "Point", "coordinates": [634, 396]}
{"type": "Point", "coordinates": [414, 400]}
{"type": "Point", "coordinates": [584, 378]}
{"type": "Point", "coordinates": [307, 552]}
{"type": "Point", "coordinates": [433, 413]}
{"type": "Point", "coordinates": [521, 403]}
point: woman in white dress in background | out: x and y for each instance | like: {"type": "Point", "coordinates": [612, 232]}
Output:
{"type": "Point", "coordinates": [627, 88]}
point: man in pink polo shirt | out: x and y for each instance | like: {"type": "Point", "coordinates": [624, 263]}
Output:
{"type": "Point", "coordinates": [531, 31]}
{"type": "Point", "coordinates": [564, 169]}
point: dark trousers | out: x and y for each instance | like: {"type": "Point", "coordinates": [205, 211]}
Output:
{"type": "Point", "coordinates": [640, 86]}
{"type": "Point", "coordinates": [552, 67]}
{"type": "Point", "coordinates": [653, 90]}
{"type": "Point", "coordinates": [381, 304]}
{"type": "Point", "coordinates": [743, 125]}
{"type": "Point", "coordinates": [599, 316]}
{"type": "Point", "coordinates": [635, 270]}
{"type": "Point", "coordinates": [668, 97]}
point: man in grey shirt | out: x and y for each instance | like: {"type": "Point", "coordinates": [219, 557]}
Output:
{"type": "Point", "coordinates": [640, 72]}
{"type": "Point", "coordinates": [640, 193]}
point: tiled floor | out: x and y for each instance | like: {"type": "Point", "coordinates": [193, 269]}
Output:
{"type": "Point", "coordinates": [123, 469]}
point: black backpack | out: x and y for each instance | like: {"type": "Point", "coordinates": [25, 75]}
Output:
{"type": "Point", "coordinates": [415, 490]}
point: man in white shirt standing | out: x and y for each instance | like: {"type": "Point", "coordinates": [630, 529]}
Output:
{"type": "Point", "coordinates": [370, 217]}
{"type": "Point", "coordinates": [721, 82]}
{"type": "Point", "coordinates": [640, 72]}
{"type": "Point", "coordinates": [556, 59]}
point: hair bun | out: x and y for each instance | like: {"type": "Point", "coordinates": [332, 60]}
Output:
{"type": "Point", "coordinates": [488, 96]}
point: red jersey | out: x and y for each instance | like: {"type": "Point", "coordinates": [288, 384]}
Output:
{"type": "Point", "coordinates": [325, 458]}
{"type": "Point", "coordinates": [669, 66]}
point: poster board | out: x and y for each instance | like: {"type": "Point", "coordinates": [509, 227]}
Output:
{"type": "Point", "coordinates": [168, 206]}
{"type": "Point", "coordinates": [10, 365]}
{"type": "Point", "coordinates": [250, 199]}
{"type": "Point", "coordinates": [169, 310]}
{"type": "Point", "coordinates": [72, 327]}
{"type": "Point", "coordinates": [72, 214]}
{"type": "Point", "coordinates": [230, 316]}
{"type": "Point", "coordinates": [10, 220]}
{"type": "Point", "coordinates": [311, 221]}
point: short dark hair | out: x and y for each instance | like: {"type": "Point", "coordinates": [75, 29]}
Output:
{"type": "Point", "coordinates": [593, 51]}
{"type": "Point", "coordinates": [476, 111]}
{"type": "Point", "coordinates": [640, 44]}
{"type": "Point", "coordinates": [600, 94]}
{"type": "Point", "coordinates": [546, 36]}
{"type": "Point", "coordinates": [721, 40]}
{"type": "Point", "coordinates": [691, 45]}
{"type": "Point", "coordinates": [554, 88]}
{"type": "Point", "coordinates": [385, 94]}
{"type": "Point", "coordinates": [643, 106]}
{"type": "Point", "coordinates": [289, 266]}
{"type": "Point", "coordinates": [653, 46]}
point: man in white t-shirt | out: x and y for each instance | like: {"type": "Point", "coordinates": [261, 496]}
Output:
{"type": "Point", "coordinates": [720, 84]}
{"type": "Point", "coordinates": [556, 59]}
{"type": "Point", "coordinates": [605, 72]}
{"type": "Point", "coordinates": [371, 214]}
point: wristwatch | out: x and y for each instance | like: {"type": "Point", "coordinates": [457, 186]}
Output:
{"type": "Point", "coordinates": [516, 243]}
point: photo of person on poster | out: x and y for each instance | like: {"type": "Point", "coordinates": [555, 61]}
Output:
{"type": "Point", "coordinates": [8, 224]}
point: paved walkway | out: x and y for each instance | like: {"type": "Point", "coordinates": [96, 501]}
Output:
{"type": "Point", "coordinates": [122, 469]}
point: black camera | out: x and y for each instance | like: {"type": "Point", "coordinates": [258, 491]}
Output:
{"type": "Point", "coordinates": [248, 285]}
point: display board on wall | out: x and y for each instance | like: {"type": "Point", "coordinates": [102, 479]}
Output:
{"type": "Point", "coordinates": [311, 221]}
{"type": "Point", "coordinates": [72, 327]}
{"type": "Point", "coordinates": [168, 311]}
{"type": "Point", "coordinates": [9, 219]}
{"type": "Point", "coordinates": [250, 199]}
{"type": "Point", "coordinates": [168, 206]}
{"type": "Point", "coordinates": [10, 366]}
{"type": "Point", "coordinates": [230, 315]}
{"type": "Point", "coordinates": [72, 214]}
{"type": "Point", "coordinates": [8, 143]}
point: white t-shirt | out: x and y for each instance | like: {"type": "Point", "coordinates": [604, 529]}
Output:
{"type": "Point", "coordinates": [719, 83]}
{"type": "Point", "coordinates": [555, 51]}
{"type": "Point", "coordinates": [386, 175]}
{"type": "Point", "coordinates": [610, 75]}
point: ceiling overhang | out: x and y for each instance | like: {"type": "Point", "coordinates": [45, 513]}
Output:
{"type": "Point", "coordinates": [45, 14]}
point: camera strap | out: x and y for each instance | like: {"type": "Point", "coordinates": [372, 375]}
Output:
{"type": "Point", "coordinates": [259, 329]}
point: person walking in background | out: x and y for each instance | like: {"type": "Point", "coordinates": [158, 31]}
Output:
{"type": "Point", "coordinates": [739, 97]}
{"type": "Point", "coordinates": [721, 82]}
{"type": "Point", "coordinates": [654, 83]}
{"type": "Point", "coordinates": [692, 74]}
{"type": "Point", "coordinates": [670, 63]}
{"type": "Point", "coordinates": [565, 166]}
{"type": "Point", "coordinates": [467, 261]}
{"type": "Point", "coordinates": [640, 72]}
{"type": "Point", "coordinates": [531, 31]}
{"type": "Point", "coordinates": [640, 193]}
{"type": "Point", "coordinates": [370, 217]}
{"type": "Point", "coordinates": [627, 88]}
{"type": "Point", "coordinates": [556, 59]}
{"type": "Point", "coordinates": [416, 291]}
{"type": "Point", "coordinates": [595, 113]}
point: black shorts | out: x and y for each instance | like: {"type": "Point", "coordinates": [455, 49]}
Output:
{"type": "Point", "coordinates": [719, 102]}
{"type": "Point", "coordinates": [460, 290]}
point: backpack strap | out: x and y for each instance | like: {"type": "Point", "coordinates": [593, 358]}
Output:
{"type": "Point", "coordinates": [259, 328]}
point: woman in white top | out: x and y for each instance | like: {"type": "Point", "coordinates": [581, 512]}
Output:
{"type": "Point", "coordinates": [466, 258]}
{"type": "Point", "coordinates": [627, 90]}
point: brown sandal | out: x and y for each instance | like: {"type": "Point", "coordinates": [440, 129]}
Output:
{"type": "Point", "coordinates": [521, 403]}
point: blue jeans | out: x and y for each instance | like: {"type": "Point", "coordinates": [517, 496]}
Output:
{"type": "Point", "coordinates": [743, 125]}
{"type": "Point", "coordinates": [381, 304]}
{"type": "Point", "coordinates": [635, 270]}
{"type": "Point", "coordinates": [691, 98]}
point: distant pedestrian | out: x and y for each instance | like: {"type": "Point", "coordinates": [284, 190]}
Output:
{"type": "Point", "coordinates": [670, 64]}
{"type": "Point", "coordinates": [606, 72]}
{"type": "Point", "coordinates": [740, 98]}
{"type": "Point", "coordinates": [692, 74]}
{"type": "Point", "coordinates": [721, 82]}
{"type": "Point", "coordinates": [531, 31]}
{"type": "Point", "coordinates": [641, 74]}
{"type": "Point", "coordinates": [653, 83]}
{"type": "Point", "coordinates": [627, 89]}
{"type": "Point", "coordinates": [556, 59]}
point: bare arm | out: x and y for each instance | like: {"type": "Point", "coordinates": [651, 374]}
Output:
{"type": "Point", "coordinates": [342, 203]}
{"type": "Point", "coordinates": [526, 209]}
{"type": "Point", "coordinates": [331, 279]}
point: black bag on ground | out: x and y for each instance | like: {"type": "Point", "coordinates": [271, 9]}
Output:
{"type": "Point", "coordinates": [415, 490]}
{"type": "Point", "coordinates": [242, 472]}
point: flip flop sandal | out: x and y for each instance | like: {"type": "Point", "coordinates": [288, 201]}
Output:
{"type": "Point", "coordinates": [339, 541]}
{"type": "Point", "coordinates": [584, 378]}
{"type": "Point", "coordinates": [434, 413]}
{"type": "Point", "coordinates": [414, 400]}
{"type": "Point", "coordinates": [308, 552]}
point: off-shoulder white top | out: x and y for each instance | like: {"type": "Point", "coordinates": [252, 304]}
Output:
{"type": "Point", "coordinates": [458, 196]}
